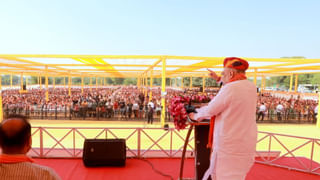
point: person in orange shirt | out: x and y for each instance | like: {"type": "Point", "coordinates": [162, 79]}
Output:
{"type": "Point", "coordinates": [15, 142]}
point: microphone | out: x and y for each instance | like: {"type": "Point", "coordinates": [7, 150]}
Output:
{"type": "Point", "coordinates": [190, 109]}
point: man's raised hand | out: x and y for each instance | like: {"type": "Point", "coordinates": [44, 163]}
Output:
{"type": "Point", "coordinates": [212, 74]}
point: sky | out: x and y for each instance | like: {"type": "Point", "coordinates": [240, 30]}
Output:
{"type": "Point", "coordinates": [245, 28]}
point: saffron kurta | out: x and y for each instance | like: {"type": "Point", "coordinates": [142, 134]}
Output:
{"type": "Point", "coordinates": [235, 132]}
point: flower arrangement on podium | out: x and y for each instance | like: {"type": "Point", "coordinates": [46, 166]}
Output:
{"type": "Point", "coordinates": [180, 106]}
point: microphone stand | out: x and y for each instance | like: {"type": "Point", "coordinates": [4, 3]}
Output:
{"type": "Point", "coordinates": [185, 148]}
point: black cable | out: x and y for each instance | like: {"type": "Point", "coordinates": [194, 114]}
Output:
{"type": "Point", "coordinates": [155, 170]}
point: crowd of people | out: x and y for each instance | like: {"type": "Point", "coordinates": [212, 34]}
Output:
{"type": "Point", "coordinates": [111, 102]}
{"type": "Point", "coordinates": [130, 103]}
{"type": "Point", "coordinates": [285, 108]}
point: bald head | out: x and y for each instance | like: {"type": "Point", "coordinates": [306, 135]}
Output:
{"type": "Point", "coordinates": [15, 133]}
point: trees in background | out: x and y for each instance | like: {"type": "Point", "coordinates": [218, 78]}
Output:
{"type": "Point", "coordinates": [284, 81]}
{"type": "Point", "coordinates": [278, 81]}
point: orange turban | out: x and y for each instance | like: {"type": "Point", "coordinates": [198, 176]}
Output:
{"type": "Point", "coordinates": [236, 63]}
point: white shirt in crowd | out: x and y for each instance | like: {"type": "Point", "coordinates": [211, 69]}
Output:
{"type": "Point", "coordinates": [135, 106]}
{"type": "Point", "coordinates": [151, 104]}
{"type": "Point", "coordinates": [279, 108]}
{"type": "Point", "coordinates": [262, 108]}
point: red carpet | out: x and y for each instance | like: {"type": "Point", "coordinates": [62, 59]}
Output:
{"type": "Point", "coordinates": [73, 169]}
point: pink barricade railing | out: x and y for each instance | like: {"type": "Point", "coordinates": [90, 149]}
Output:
{"type": "Point", "coordinates": [63, 142]}
{"type": "Point", "coordinates": [292, 152]}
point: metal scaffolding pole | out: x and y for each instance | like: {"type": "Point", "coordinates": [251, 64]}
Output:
{"type": "Point", "coordinates": [176, 82]}
{"type": "Point", "coordinates": [21, 81]}
{"type": "Point", "coordinates": [26, 82]}
{"type": "Point", "coordinates": [142, 83]}
{"type": "Point", "coordinates": [291, 82]}
{"type": "Point", "coordinates": [262, 84]}
{"type": "Point", "coordinates": [69, 84]}
{"type": "Point", "coordinates": [151, 84]}
{"type": "Point", "coordinates": [82, 84]}
{"type": "Point", "coordinates": [40, 81]}
{"type": "Point", "coordinates": [54, 82]}
{"type": "Point", "coordinates": [146, 86]}
{"type": "Point", "coordinates": [10, 80]}
{"type": "Point", "coordinates": [181, 82]}
{"type": "Point", "coordinates": [138, 82]}
{"type": "Point", "coordinates": [163, 91]}
{"type": "Point", "coordinates": [90, 83]}
{"type": "Point", "coordinates": [64, 82]}
{"type": "Point", "coordinates": [203, 83]}
{"type": "Point", "coordinates": [96, 83]}
{"type": "Point", "coordinates": [47, 90]}
{"type": "Point", "coordinates": [296, 83]}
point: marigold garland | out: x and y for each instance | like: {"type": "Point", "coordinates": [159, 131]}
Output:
{"type": "Point", "coordinates": [177, 108]}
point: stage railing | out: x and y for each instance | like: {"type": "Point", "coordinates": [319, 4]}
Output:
{"type": "Point", "coordinates": [63, 142]}
{"type": "Point", "coordinates": [291, 152]}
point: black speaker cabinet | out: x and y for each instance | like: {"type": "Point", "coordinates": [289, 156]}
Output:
{"type": "Point", "coordinates": [24, 87]}
{"type": "Point", "coordinates": [104, 152]}
{"type": "Point", "coordinates": [166, 127]}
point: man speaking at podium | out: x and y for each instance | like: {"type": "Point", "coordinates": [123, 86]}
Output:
{"type": "Point", "coordinates": [235, 130]}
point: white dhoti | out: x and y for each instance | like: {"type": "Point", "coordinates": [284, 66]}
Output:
{"type": "Point", "coordinates": [229, 167]}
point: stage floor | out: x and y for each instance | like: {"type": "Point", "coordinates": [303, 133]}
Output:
{"type": "Point", "coordinates": [138, 169]}
{"type": "Point", "coordinates": [135, 169]}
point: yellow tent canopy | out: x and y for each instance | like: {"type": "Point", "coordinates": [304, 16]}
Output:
{"type": "Point", "coordinates": [144, 66]}
{"type": "Point", "coordinates": [139, 65]}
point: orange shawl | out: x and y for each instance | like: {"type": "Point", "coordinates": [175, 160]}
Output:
{"type": "Point", "coordinates": [17, 158]}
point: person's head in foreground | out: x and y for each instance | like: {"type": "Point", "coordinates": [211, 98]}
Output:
{"type": "Point", "coordinates": [15, 135]}
{"type": "Point", "coordinates": [15, 142]}
{"type": "Point", "coordinates": [234, 69]}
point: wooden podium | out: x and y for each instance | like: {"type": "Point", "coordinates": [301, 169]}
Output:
{"type": "Point", "coordinates": [202, 153]}
{"type": "Point", "coordinates": [201, 140]}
